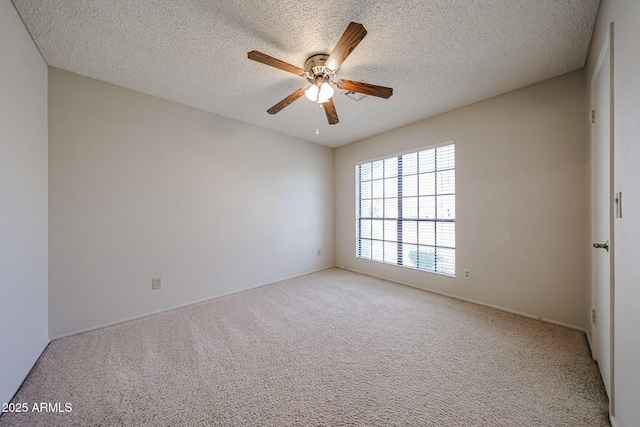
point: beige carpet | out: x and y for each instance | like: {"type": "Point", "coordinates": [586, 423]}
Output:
{"type": "Point", "coordinates": [332, 348]}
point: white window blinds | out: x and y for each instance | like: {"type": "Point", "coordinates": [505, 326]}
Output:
{"type": "Point", "coordinates": [406, 210]}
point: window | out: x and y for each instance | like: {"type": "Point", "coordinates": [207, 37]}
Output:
{"type": "Point", "coordinates": [406, 210]}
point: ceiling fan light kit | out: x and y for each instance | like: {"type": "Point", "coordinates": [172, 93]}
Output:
{"type": "Point", "coordinates": [321, 94]}
{"type": "Point", "coordinates": [320, 71]}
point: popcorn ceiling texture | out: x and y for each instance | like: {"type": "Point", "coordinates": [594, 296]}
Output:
{"type": "Point", "coordinates": [332, 348]}
{"type": "Point", "coordinates": [437, 55]}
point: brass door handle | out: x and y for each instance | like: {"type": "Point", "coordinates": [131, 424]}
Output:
{"type": "Point", "coordinates": [602, 246]}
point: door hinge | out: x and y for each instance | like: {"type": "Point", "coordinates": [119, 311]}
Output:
{"type": "Point", "coordinates": [593, 316]}
{"type": "Point", "coordinates": [593, 116]}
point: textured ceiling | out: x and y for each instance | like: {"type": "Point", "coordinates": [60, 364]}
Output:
{"type": "Point", "coordinates": [437, 55]}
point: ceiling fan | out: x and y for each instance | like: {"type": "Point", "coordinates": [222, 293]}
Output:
{"type": "Point", "coordinates": [320, 71]}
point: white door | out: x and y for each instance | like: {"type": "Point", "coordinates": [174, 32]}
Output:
{"type": "Point", "coordinates": [601, 215]}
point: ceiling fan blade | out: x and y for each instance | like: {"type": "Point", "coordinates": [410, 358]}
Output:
{"type": "Point", "coordinates": [288, 100]}
{"type": "Point", "coordinates": [330, 111]}
{"type": "Point", "coordinates": [349, 40]}
{"type": "Point", "coordinates": [366, 88]}
{"type": "Point", "coordinates": [270, 60]}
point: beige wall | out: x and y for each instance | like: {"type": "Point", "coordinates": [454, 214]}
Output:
{"type": "Point", "coordinates": [522, 199]}
{"type": "Point", "coordinates": [142, 187]}
{"type": "Point", "coordinates": [23, 202]}
{"type": "Point", "coordinates": [625, 14]}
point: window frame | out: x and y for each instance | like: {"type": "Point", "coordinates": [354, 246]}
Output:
{"type": "Point", "coordinates": [438, 257]}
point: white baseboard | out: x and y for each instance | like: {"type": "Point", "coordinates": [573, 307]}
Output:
{"type": "Point", "coordinates": [593, 355]}
{"type": "Point", "coordinates": [497, 307]}
{"type": "Point", "coordinates": [164, 310]}
{"type": "Point", "coordinates": [613, 421]}
{"type": "Point", "coordinates": [35, 362]}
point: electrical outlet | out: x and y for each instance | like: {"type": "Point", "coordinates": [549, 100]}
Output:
{"type": "Point", "coordinates": [593, 316]}
{"type": "Point", "coordinates": [319, 252]}
{"type": "Point", "coordinates": [156, 283]}
{"type": "Point", "coordinates": [467, 273]}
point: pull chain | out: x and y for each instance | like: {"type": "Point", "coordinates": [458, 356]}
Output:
{"type": "Point", "coordinates": [318, 120]}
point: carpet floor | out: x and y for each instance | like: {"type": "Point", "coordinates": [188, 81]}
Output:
{"type": "Point", "coordinates": [333, 348]}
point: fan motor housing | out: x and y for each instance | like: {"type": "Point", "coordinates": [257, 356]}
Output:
{"type": "Point", "coordinates": [316, 70]}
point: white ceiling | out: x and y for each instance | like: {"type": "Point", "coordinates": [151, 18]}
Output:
{"type": "Point", "coordinates": [437, 55]}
